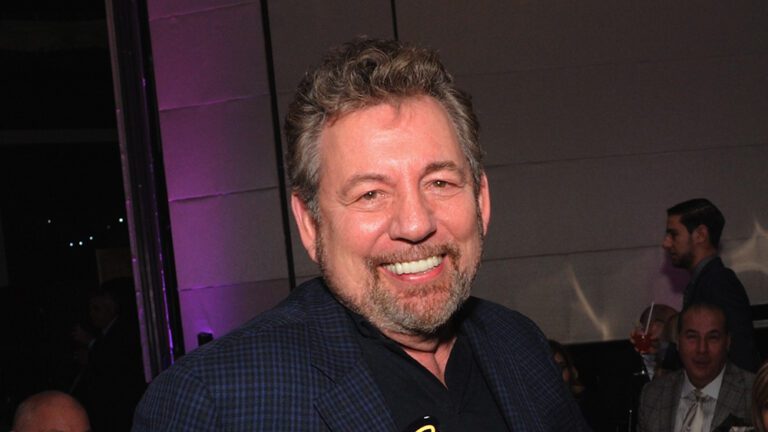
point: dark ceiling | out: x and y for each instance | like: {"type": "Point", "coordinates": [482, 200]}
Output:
{"type": "Point", "coordinates": [56, 69]}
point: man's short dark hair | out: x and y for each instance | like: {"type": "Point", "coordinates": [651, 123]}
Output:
{"type": "Point", "coordinates": [700, 211]}
{"type": "Point", "coordinates": [705, 306]}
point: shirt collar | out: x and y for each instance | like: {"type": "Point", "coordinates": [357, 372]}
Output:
{"type": "Point", "coordinates": [700, 266]}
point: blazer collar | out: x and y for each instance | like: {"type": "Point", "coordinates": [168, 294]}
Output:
{"type": "Point", "coordinates": [506, 381]}
{"type": "Point", "coordinates": [351, 400]}
{"type": "Point", "coordinates": [672, 399]}
{"type": "Point", "coordinates": [729, 400]}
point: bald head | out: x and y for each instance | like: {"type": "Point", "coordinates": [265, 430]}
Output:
{"type": "Point", "coordinates": [659, 317]}
{"type": "Point", "coordinates": [51, 411]}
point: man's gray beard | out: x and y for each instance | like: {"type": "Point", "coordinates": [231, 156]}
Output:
{"type": "Point", "coordinates": [382, 308]}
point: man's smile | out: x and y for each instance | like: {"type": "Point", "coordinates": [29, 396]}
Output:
{"type": "Point", "coordinates": [411, 267]}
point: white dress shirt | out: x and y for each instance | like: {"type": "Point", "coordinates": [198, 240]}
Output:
{"type": "Point", "coordinates": [687, 399]}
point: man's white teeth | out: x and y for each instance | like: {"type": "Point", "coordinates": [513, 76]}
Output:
{"type": "Point", "coordinates": [415, 266]}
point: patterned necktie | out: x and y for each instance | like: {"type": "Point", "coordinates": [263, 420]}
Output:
{"type": "Point", "coordinates": [694, 418]}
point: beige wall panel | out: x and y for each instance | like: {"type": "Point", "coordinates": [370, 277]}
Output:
{"type": "Point", "coordinates": [219, 148]}
{"type": "Point", "coordinates": [166, 8]}
{"type": "Point", "coordinates": [209, 56]}
{"type": "Point", "coordinates": [303, 30]}
{"type": "Point", "coordinates": [619, 203]}
{"type": "Point", "coordinates": [219, 310]}
{"type": "Point", "coordinates": [583, 297]}
{"type": "Point", "coordinates": [491, 36]}
{"type": "Point", "coordinates": [624, 109]}
{"type": "Point", "coordinates": [749, 259]}
{"type": "Point", "coordinates": [230, 239]}
{"type": "Point", "coordinates": [596, 296]}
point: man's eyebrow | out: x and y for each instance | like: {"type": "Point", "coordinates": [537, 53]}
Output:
{"type": "Point", "coordinates": [445, 166]}
{"type": "Point", "coordinates": [361, 178]}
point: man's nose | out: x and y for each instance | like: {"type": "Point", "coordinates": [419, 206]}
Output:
{"type": "Point", "coordinates": [666, 243]}
{"type": "Point", "coordinates": [413, 219]}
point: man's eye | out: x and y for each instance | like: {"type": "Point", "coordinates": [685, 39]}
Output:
{"type": "Point", "coordinates": [440, 183]}
{"type": "Point", "coordinates": [370, 195]}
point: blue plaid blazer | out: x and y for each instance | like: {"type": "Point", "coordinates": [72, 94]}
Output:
{"type": "Point", "coordinates": [298, 367]}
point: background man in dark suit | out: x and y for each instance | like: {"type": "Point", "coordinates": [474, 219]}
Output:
{"type": "Point", "coordinates": [669, 403]}
{"type": "Point", "coordinates": [392, 202]}
{"type": "Point", "coordinates": [692, 240]}
{"type": "Point", "coordinates": [111, 380]}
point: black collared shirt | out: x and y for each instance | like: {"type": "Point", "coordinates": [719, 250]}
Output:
{"type": "Point", "coordinates": [465, 403]}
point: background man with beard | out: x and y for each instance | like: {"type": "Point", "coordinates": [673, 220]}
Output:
{"type": "Point", "coordinates": [391, 200]}
{"type": "Point", "coordinates": [692, 240]}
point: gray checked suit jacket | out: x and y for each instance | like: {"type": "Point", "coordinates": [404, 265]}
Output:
{"type": "Point", "coordinates": [659, 399]}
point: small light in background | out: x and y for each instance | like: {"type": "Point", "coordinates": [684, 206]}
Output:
{"type": "Point", "coordinates": [80, 243]}
{"type": "Point", "coordinates": [120, 220]}
{"type": "Point", "coordinates": [71, 244]}
{"type": "Point", "coordinates": [90, 238]}
{"type": "Point", "coordinates": [49, 221]}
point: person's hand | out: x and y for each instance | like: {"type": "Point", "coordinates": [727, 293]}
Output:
{"type": "Point", "coordinates": [644, 343]}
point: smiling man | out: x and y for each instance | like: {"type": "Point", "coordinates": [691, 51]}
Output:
{"type": "Point", "coordinates": [709, 393]}
{"type": "Point", "coordinates": [391, 200]}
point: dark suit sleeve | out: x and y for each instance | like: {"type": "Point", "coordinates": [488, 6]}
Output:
{"type": "Point", "coordinates": [721, 287]}
{"type": "Point", "coordinates": [176, 401]}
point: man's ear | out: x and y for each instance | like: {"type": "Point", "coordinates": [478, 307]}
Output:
{"type": "Point", "coordinates": [701, 234]}
{"type": "Point", "coordinates": [484, 202]}
{"type": "Point", "coordinates": [306, 224]}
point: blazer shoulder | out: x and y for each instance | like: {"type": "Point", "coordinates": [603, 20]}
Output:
{"type": "Point", "coordinates": [283, 328]}
{"type": "Point", "coordinates": [736, 374]}
{"type": "Point", "coordinates": [661, 385]}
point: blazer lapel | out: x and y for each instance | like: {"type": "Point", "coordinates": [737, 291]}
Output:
{"type": "Point", "coordinates": [505, 380]}
{"type": "Point", "coordinates": [355, 403]}
{"type": "Point", "coordinates": [669, 401]}
{"type": "Point", "coordinates": [731, 398]}
{"type": "Point", "coordinates": [351, 400]}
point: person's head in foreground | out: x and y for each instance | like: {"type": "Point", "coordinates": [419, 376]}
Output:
{"type": "Point", "coordinates": [51, 411]}
{"type": "Point", "coordinates": [388, 189]}
{"type": "Point", "coordinates": [703, 342]}
{"type": "Point", "coordinates": [564, 361]}
{"type": "Point", "coordinates": [760, 399]}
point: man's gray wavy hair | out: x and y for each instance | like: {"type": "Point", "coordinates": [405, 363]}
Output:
{"type": "Point", "coordinates": [363, 73]}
